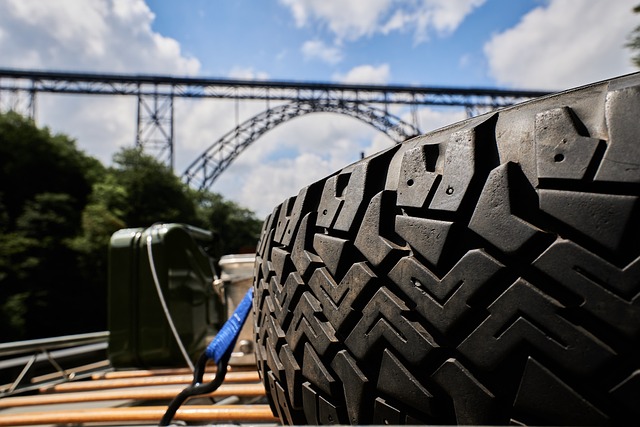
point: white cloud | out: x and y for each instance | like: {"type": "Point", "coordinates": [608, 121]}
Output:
{"type": "Point", "coordinates": [278, 163]}
{"type": "Point", "coordinates": [112, 36]}
{"type": "Point", "coordinates": [365, 74]}
{"type": "Point", "coordinates": [100, 125]}
{"type": "Point", "coordinates": [317, 49]}
{"type": "Point", "coordinates": [100, 35]}
{"type": "Point", "coordinates": [116, 36]}
{"type": "Point", "coordinates": [428, 120]}
{"type": "Point", "coordinates": [350, 19]}
{"type": "Point", "coordinates": [563, 44]}
{"type": "Point", "coordinates": [291, 156]}
{"type": "Point", "coordinates": [441, 16]}
{"type": "Point", "coordinates": [353, 19]}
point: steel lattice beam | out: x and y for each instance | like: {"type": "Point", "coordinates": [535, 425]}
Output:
{"type": "Point", "coordinates": [188, 87]}
{"type": "Point", "coordinates": [209, 166]}
{"type": "Point", "coordinates": [155, 121]}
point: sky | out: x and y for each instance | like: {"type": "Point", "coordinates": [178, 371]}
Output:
{"type": "Point", "coordinates": [523, 44]}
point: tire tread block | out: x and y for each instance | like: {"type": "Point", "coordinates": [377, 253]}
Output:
{"type": "Point", "coordinates": [355, 386]}
{"type": "Point", "coordinates": [281, 262]}
{"type": "Point", "coordinates": [473, 403]}
{"type": "Point", "coordinates": [607, 292]}
{"type": "Point", "coordinates": [274, 402]}
{"type": "Point", "coordinates": [293, 376]}
{"type": "Point", "coordinates": [543, 396]}
{"type": "Point", "coordinates": [621, 162]}
{"type": "Point", "coordinates": [328, 413]}
{"type": "Point", "coordinates": [524, 316]}
{"type": "Point", "coordinates": [315, 372]}
{"type": "Point", "coordinates": [561, 152]}
{"type": "Point", "coordinates": [331, 250]}
{"type": "Point", "coordinates": [369, 240]}
{"type": "Point", "coordinates": [305, 324]}
{"type": "Point", "coordinates": [415, 181]}
{"type": "Point", "coordinates": [310, 404]}
{"type": "Point", "coordinates": [267, 265]}
{"type": "Point", "coordinates": [493, 218]}
{"type": "Point", "coordinates": [286, 298]}
{"type": "Point", "coordinates": [342, 197]}
{"type": "Point", "coordinates": [628, 392]}
{"type": "Point", "coordinates": [330, 203]}
{"type": "Point", "coordinates": [286, 414]}
{"type": "Point", "coordinates": [444, 302]}
{"type": "Point", "coordinates": [273, 360]}
{"type": "Point", "coordinates": [301, 257]}
{"type": "Point", "coordinates": [396, 380]}
{"type": "Point", "coordinates": [305, 202]}
{"type": "Point", "coordinates": [604, 218]}
{"type": "Point", "coordinates": [459, 168]}
{"type": "Point", "coordinates": [386, 414]}
{"type": "Point", "coordinates": [383, 324]}
{"type": "Point", "coordinates": [337, 300]}
{"type": "Point", "coordinates": [426, 236]}
{"type": "Point", "coordinates": [283, 219]}
{"type": "Point", "coordinates": [267, 226]}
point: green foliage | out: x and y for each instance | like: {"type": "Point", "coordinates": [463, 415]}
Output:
{"type": "Point", "coordinates": [237, 229]}
{"type": "Point", "coordinates": [48, 215]}
{"type": "Point", "coordinates": [153, 192]}
{"type": "Point", "coordinates": [58, 210]}
{"type": "Point", "coordinates": [34, 161]}
{"type": "Point", "coordinates": [634, 41]}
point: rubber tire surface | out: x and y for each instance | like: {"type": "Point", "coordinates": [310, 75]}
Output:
{"type": "Point", "coordinates": [485, 273]}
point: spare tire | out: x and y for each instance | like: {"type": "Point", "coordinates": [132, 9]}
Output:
{"type": "Point", "coordinates": [484, 273]}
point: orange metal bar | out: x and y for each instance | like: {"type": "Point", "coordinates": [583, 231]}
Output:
{"type": "Point", "coordinates": [231, 377]}
{"type": "Point", "coordinates": [169, 371]}
{"type": "Point", "coordinates": [165, 393]}
{"type": "Point", "coordinates": [149, 414]}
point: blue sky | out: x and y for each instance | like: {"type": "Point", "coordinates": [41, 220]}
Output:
{"type": "Point", "coordinates": [526, 44]}
{"type": "Point", "coordinates": [267, 39]}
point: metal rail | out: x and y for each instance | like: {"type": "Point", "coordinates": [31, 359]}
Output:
{"type": "Point", "coordinates": [30, 346]}
{"type": "Point", "coordinates": [21, 360]}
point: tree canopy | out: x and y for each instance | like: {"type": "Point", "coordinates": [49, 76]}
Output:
{"type": "Point", "coordinates": [58, 210]}
{"type": "Point", "coordinates": [634, 41]}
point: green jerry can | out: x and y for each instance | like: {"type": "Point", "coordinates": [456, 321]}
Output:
{"type": "Point", "coordinates": [139, 332]}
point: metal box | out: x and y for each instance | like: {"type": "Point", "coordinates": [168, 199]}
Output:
{"type": "Point", "coordinates": [237, 277]}
{"type": "Point", "coordinates": [140, 335]}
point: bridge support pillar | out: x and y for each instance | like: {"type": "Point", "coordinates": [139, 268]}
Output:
{"type": "Point", "coordinates": [155, 125]}
{"type": "Point", "coordinates": [18, 99]}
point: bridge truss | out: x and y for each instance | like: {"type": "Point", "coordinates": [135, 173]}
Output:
{"type": "Point", "coordinates": [156, 95]}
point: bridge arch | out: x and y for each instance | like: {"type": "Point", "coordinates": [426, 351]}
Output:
{"type": "Point", "coordinates": [207, 167]}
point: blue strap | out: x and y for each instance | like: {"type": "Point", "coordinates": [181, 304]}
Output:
{"type": "Point", "coordinates": [226, 338]}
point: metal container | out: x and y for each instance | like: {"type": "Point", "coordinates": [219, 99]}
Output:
{"type": "Point", "coordinates": [140, 335]}
{"type": "Point", "coordinates": [237, 278]}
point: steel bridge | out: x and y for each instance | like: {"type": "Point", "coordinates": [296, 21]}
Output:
{"type": "Point", "coordinates": [156, 95]}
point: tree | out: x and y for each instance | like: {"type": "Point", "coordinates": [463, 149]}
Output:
{"type": "Point", "coordinates": [34, 161]}
{"type": "Point", "coordinates": [153, 193]}
{"type": "Point", "coordinates": [634, 41]}
{"type": "Point", "coordinates": [58, 211]}
{"type": "Point", "coordinates": [237, 229]}
{"type": "Point", "coordinates": [45, 182]}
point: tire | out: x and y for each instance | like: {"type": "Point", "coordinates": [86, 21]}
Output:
{"type": "Point", "coordinates": [485, 273]}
